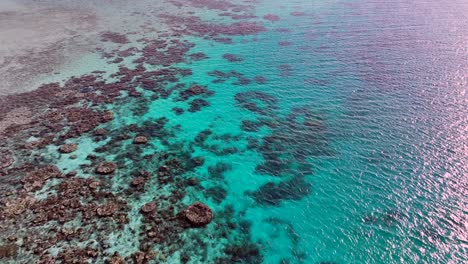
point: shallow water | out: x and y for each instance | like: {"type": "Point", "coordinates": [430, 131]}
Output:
{"type": "Point", "coordinates": [336, 134]}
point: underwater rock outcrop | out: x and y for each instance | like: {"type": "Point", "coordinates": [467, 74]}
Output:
{"type": "Point", "coordinates": [198, 214]}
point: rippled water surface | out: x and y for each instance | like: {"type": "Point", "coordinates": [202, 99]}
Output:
{"type": "Point", "coordinates": [324, 131]}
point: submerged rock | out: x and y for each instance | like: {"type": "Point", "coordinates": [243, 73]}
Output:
{"type": "Point", "coordinates": [198, 214]}
{"type": "Point", "coordinates": [106, 168]}
{"type": "Point", "coordinates": [68, 148]}
{"type": "Point", "coordinates": [140, 140]}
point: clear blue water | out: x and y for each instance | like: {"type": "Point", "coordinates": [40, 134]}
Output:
{"type": "Point", "coordinates": [365, 158]}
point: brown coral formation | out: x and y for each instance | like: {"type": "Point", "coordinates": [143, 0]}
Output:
{"type": "Point", "coordinates": [68, 148]}
{"type": "Point", "coordinates": [6, 159]}
{"type": "Point", "coordinates": [106, 168]}
{"type": "Point", "coordinates": [148, 208]}
{"type": "Point", "coordinates": [8, 251]}
{"type": "Point", "coordinates": [140, 140]}
{"type": "Point", "coordinates": [198, 214]}
{"type": "Point", "coordinates": [35, 179]}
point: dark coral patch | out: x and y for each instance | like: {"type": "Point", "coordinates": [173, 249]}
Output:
{"type": "Point", "coordinates": [68, 148]}
{"type": "Point", "coordinates": [232, 57]}
{"type": "Point", "coordinates": [8, 251]}
{"type": "Point", "coordinates": [222, 77]}
{"type": "Point", "coordinates": [6, 159]}
{"type": "Point", "coordinates": [285, 70]}
{"type": "Point", "coordinates": [217, 171]}
{"type": "Point", "coordinates": [195, 26]}
{"type": "Point", "coordinates": [197, 104]}
{"type": "Point", "coordinates": [114, 37]}
{"type": "Point", "coordinates": [148, 208]}
{"type": "Point", "coordinates": [237, 16]}
{"type": "Point", "coordinates": [244, 253]}
{"type": "Point", "coordinates": [195, 90]}
{"type": "Point", "coordinates": [258, 102]}
{"type": "Point", "coordinates": [222, 5]}
{"type": "Point", "coordinates": [37, 177]}
{"type": "Point", "coordinates": [224, 40]}
{"type": "Point", "coordinates": [217, 193]}
{"type": "Point", "coordinates": [250, 126]}
{"type": "Point", "coordinates": [106, 168]}
{"type": "Point", "coordinates": [273, 194]}
{"type": "Point", "coordinates": [260, 79]}
{"type": "Point", "coordinates": [271, 17]}
{"type": "Point", "coordinates": [198, 214]}
{"type": "Point", "coordinates": [178, 110]}
{"type": "Point", "coordinates": [198, 56]}
{"type": "Point", "coordinates": [141, 140]}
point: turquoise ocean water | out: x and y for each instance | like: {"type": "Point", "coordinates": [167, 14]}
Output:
{"type": "Point", "coordinates": [341, 136]}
